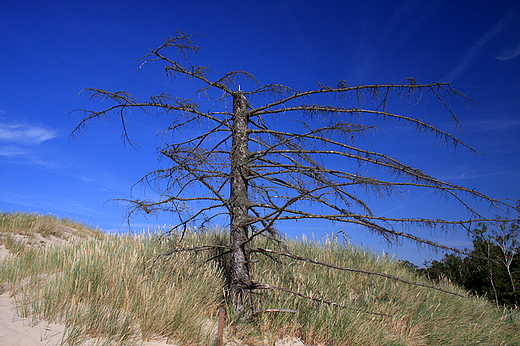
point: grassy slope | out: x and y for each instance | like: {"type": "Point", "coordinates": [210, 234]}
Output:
{"type": "Point", "coordinates": [107, 286]}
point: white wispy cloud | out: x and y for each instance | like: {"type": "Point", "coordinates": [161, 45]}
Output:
{"type": "Point", "coordinates": [11, 151]}
{"type": "Point", "coordinates": [466, 176]}
{"type": "Point", "coordinates": [492, 124]}
{"type": "Point", "coordinates": [456, 243]}
{"type": "Point", "coordinates": [22, 143]}
{"type": "Point", "coordinates": [25, 134]}
{"type": "Point", "coordinates": [21, 155]}
{"type": "Point", "coordinates": [510, 54]}
{"type": "Point", "coordinates": [86, 179]}
{"type": "Point", "coordinates": [475, 49]}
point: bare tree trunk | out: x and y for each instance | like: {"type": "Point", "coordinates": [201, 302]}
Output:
{"type": "Point", "coordinates": [508, 252]}
{"type": "Point", "coordinates": [240, 282]}
{"type": "Point", "coordinates": [490, 264]}
{"type": "Point", "coordinates": [508, 266]}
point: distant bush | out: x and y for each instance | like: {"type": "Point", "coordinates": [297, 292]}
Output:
{"type": "Point", "coordinates": [498, 278]}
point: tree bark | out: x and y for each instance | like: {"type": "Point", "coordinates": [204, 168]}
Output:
{"type": "Point", "coordinates": [239, 279]}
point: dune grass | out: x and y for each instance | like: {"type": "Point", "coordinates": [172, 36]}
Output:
{"type": "Point", "coordinates": [110, 287]}
{"type": "Point", "coordinates": [420, 316]}
{"type": "Point", "coordinates": [107, 287]}
{"type": "Point", "coordinates": [21, 229]}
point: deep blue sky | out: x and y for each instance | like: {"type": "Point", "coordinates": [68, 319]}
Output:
{"type": "Point", "coordinates": [50, 51]}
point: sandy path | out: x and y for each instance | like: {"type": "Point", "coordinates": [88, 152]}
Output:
{"type": "Point", "coordinates": [18, 331]}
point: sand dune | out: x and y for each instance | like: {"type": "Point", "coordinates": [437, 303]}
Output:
{"type": "Point", "coordinates": [17, 331]}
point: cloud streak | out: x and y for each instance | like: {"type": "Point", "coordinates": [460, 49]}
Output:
{"type": "Point", "coordinates": [10, 151]}
{"type": "Point", "coordinates": [20, 143]}
{"type": "Point", "coordinates": [475, 49]}
{"type": "Point", "coordinates": [510, 54]}
{"type": "Point", "coordinates": [493, 124]}
{"type": "Point", "coordinates": [25, 134]}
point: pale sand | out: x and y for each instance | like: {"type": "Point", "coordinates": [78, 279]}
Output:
{"type": "Point", "coordinates": [16, 331]}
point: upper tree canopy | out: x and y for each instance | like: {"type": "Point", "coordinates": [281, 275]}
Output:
{"type": "Point", "coordinates": [302, 156]}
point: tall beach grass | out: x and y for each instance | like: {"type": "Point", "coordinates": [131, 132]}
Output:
{"type": "Point", "coordinates": [117, 289]}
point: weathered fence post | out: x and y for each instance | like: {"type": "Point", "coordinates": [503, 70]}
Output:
{"type": "Point", "coordinates": [221, 321]}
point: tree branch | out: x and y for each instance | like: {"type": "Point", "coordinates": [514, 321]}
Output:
{"type": "Point", "coordinates": [256, 285]}
{"type": "Point", "coordinates": [388, 276]}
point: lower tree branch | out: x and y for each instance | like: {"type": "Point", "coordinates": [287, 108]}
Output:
{"type": "Point", "coordinates": [195, 249]}
{"type": "Point", "coordinates": [256, 285]}
{"type": "Point", "coordinates": [392, 277]}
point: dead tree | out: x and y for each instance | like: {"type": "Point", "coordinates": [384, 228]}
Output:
{"type": "Point", "coordinates": [248, 168]}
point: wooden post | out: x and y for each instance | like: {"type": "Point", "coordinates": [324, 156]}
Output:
{"type": "Point", "coordinates": [221, 321]}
